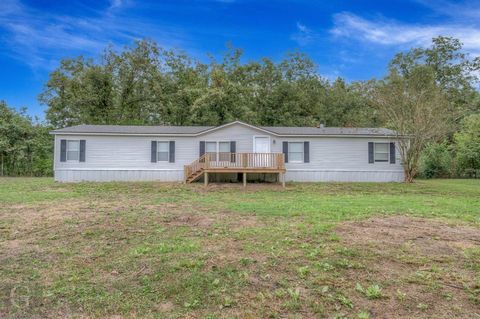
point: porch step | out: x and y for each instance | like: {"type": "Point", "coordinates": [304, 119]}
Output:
{"type": "Point", "coordinates": [194, 176]}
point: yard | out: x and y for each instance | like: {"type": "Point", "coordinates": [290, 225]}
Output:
{"type": "Point", "coordinates": [333, 250]}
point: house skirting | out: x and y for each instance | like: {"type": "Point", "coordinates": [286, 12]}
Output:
{"type": "Point", "coordinates": [343, 176]}
{"type": "Point", "coordinates": [102, 175]}
{"type": "Point", "coordinates": [176, 175]}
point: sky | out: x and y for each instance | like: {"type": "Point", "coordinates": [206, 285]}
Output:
{"type": "Point", "coordinates": [351, 39]}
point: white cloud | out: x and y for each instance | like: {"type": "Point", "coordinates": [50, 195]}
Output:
{"type": "Point", "coordinates": [41, 39]}
{"type": "Point", "coordinates": [304, 35]}
{"type": "Point", "coordinates": [393, 33]}
{"type": "Point", "coordinates": [116, 3]}
{"type": "Point", "coordinates": [9, 6]}
{"type": "Point", "coordinates": [458, 10]}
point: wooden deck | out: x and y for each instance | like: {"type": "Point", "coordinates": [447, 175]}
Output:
{"type": "Point", "coordinates": [235, 163]}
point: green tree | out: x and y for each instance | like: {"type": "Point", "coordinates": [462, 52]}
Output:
{"type": "Point", "coordinates": [436, 160]}
{"type": "Point", "coordinates": [416, 108]}
{"type": "Point", "coordinates": [454, 72]}
{"type": "Point", "coordinates": [26, 148]}
{"type": "Point", "coordinates": [467, 143]}
{"type": "Point", "coordinates": [145, 84]}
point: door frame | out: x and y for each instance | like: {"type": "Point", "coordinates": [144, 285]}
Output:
{"type": "Point", "coordinates": [269, 143]}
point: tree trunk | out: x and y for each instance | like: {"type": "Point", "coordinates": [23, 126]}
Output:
{"type": "Point", "coordinates": [31, 165]}
{"type": "Point", "coordinates": [409, 174]}
{"type": "Point", "coordinates": [408, 178]}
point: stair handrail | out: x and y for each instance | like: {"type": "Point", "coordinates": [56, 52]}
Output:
{"type": "Point", "coordinates": [194, 166]}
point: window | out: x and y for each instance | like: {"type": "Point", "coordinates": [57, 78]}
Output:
{"type": "Point", "coordinates": [220, 148]}
{"type": "Point", "coordinates": [295, 152]}
{"type": "Point", "coordinates": [210, 147]}
{"type": "Point", "coordinates": [224, 151]}
{"type": "Point", "coordinates": [73, 150]}
{"type": "Point", "coordinates": [224, 147]}
{"type": "Point", "coordinates": [381, 152]}
{"type": "Point", "coordinates": [163, 151]}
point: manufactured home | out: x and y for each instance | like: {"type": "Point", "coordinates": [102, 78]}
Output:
{"type": "Point", "coordinates": [236, 151]}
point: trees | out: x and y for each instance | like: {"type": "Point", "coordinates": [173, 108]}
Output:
{"type": "Point", "coordinates": [467, 144]}
{"type": "Point", "coordinates": [416, 108]}
{"type": "Point", "coordinates": [426, 94]}
{"type": "Point", "coordinates": [437, 161]}
{"type": "Point", "coordinates": [145, 84]}
{"type": "Point", "coordinates": [25, 146]}
{"type": "Point", "coordinates": [453, 70]}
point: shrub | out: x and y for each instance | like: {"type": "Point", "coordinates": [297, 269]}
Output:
{"type": "Point", "coordinates": [436, 161]}
{"type": "Point", "coordinates": [467, 143]}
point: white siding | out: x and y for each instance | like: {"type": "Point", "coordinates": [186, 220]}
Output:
{"type": "Point", "coordinates": [342, 159]}
{"type": "Point", "coordinates": [128, 157]}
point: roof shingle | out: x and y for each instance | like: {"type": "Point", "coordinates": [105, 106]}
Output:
{"type": "Point", "coordinates": [195, 130]}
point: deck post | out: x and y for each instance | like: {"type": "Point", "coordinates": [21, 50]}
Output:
{"type": "Point", "coordinates": [244, 179]}
{"type": "Point", "coordinates": [283, 179]}
{"type": "Point", "coordinates": [205, 179]}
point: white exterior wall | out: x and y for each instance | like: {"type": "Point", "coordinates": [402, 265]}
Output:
{"type": "Point", "coordinates": [127, 158]}
{"type": "Point", "coordinates": [342, 159]}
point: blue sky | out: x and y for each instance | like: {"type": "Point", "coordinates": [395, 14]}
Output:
{"type": "Point", "coordinates": [352, 39]}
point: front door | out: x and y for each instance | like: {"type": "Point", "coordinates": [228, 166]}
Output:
{"type": "Point", "coordinates": [261, 145]}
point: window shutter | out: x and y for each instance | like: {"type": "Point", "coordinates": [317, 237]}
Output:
{"type": "Point", "coordinates": [63, 150]}
{"type": "Point", "coordinates": [285, 151]}
{"type": "Point", "coordinates": [154, 152]}
{"type": "Point", "coordinates": [233, 150]}
{"type": "Point", "coordinates": [392, 153]}
{"type": "Point", "coordinates": [202, 148]}
{"type": "Point", "coordinates": [370, 153]}
{"type": "Point", "coordinates": [82, 151]}
{"type": "Point", "coordinates": [171, 151]}
{"type": "Point", "coordinates": [306, 152]}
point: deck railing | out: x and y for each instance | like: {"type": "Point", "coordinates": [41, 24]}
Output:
{"type": "Point", "coordinates": [244, 160]}
{"type": "Point", "coordinates": [240, 161]}
{"type": "Point", "coordinates": [224, 162]}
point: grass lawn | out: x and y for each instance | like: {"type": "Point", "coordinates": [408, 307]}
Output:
{"type": "Point", "coordinates": [326, 250]}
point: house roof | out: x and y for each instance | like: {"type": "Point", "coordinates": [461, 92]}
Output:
{"type": "Point", "coordinates": [133, 129]}
{"type": "Point", "coordinates": [198, 130]}
{"type": "Point", "coordinates": [295, 130]}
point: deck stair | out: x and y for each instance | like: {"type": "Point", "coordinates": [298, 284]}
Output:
{"type": "Point", "coordinates": [195, 170]}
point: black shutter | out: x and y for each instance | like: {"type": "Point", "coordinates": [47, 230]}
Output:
{"type": "Point", "coordinates": [154, 152]}
{"type": "Point", "coordinates": [233, 150]}
{"type": "Point", "coordinates": [306, 152]}
{"type": "Point", "coordinates": [202, 148]}
{"type": "Point", "coordinates": [392, 153]}
{"type": "Point", "coordinates": [285, 151]}
{"type": "Point", "coordinates": [171, 148]}
{"type": "Point", "coordinates": [63, 150]}
{"type": "Point", "coordinates": [370, 153]}
{"type": "Point", "coordinates": [82, 150]}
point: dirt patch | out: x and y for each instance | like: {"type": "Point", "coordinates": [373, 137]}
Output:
{"type": "Point", "coordinates": [420, 264]}
{"type": "Point", "coordinates": [251, 187]}
{"type": "Point", "coordinates": [166, 306]}
{"type": "Point", "coordinates": [189, 220]}
{"type": "Point", "coordinates": [204, 218]}
{"type": "Point", "coordinates": [429, 237]}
